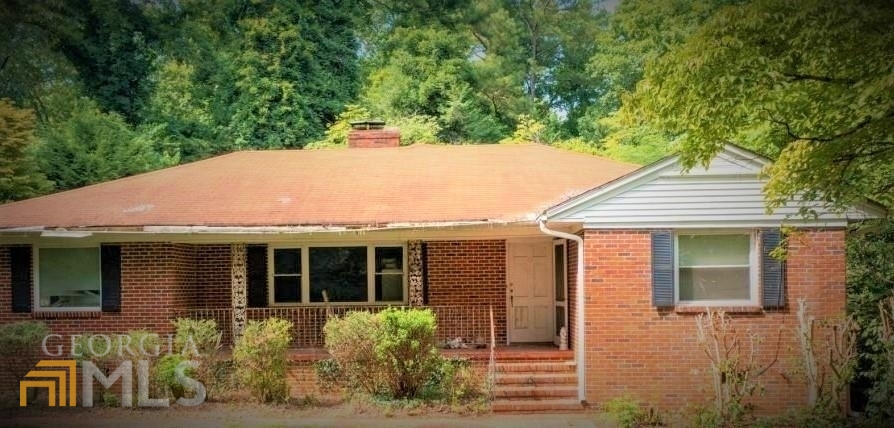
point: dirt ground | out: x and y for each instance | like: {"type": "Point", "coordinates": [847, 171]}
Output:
{"type": "Point", "coordinates": [235, 415]}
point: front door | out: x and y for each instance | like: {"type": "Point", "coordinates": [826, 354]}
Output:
{"type": "Point", "coordinates": [531, 302]}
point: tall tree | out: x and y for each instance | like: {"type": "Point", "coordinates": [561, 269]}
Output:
{"type": "Point", "coordinates": [296, 68]}
{"type": "Point", "coordinates": [89, 146]}
{"type": "Point", "coordinates": [19, 174]}
{"type": "Point", "coordinates": [810, 83]}
{"type": "Point", "coordinates": [114, 54]}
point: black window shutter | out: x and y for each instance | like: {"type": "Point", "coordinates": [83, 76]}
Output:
{"type": "Point", "coordinates": [110, 271]}
{"type": "Point", "coordinates": [424, 273]}
{"type": "Point", "coordinates": [662, 268]}
{"type": "Point", "coordinates": [20, 271]}
{"type": "Point", "coordinates": [772, 270]}
{"type": "Point", "coordinates": [256, 272]}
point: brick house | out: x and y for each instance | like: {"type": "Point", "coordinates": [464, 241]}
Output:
{"type": "Point", "coordinates": [622, 257]}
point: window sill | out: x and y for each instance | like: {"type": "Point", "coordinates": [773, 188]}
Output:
{"type": "Point", "coordinates": [730, 309]}
{"type": "Point", "coordinates": [40, 314]}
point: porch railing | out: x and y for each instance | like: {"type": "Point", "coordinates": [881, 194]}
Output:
{"type": "Point", "coordinates": [469, 322]}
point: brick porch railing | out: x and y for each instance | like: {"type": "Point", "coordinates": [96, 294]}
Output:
{"type": "Point", "coordinates": [468, 322]}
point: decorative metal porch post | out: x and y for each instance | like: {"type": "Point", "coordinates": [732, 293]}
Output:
{"type": "Point", "coordinates": [240, 287]}
{"type": "Point", "coordinates": [414, 257]}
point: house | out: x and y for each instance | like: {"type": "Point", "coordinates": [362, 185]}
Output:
{"type": "Point", "coordinates": [622, 258]}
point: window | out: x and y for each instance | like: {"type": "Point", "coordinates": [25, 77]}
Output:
{"type": "Point", "coordinates": [68, 278]}
{"type": "Point", "coordinates": [389, 274]}
{"type": "Point", "coordinates": [340, 272]}
{"type": "Point", "coordinates": [287, 275]}
{"type": "Point", "coordinates": [358, 274]}
{"type": "Point", "coordinates": [716, 268]}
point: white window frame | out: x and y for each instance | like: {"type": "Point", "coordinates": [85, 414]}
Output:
{"type": "Point", "coordinates": [305, 273]}
{"type": "Point", "coordinates": [753, 270]}
{"type": "Point", "coordinates": [35, 270]}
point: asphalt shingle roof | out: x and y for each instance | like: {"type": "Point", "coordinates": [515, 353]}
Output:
{"type": "Point", "coordinates": [348, 187]}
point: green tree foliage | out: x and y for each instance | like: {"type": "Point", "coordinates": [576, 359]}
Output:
{"type": "Point", "coordinates": [89, 146]}
{"type": "Point", "coordinates": [113, 54]}
{"type": "Point", "coordinates": [811, 84]}
{"type": "Point", "coordinates": [295, 70]}
{"type": "Point", "coordinates": [870, 280]}
{"type": "Point", "coordinates": [19, 174]}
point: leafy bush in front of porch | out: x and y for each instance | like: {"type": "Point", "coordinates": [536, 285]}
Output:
{"type": "Point", "coordinates": [261, 358]}
{"type": "Point", "coordinates": [391, 353]}
{"type": "Point", "coordinates": [19, 350]}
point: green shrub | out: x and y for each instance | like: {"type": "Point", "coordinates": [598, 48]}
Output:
{"type": "Point", "coordinates": [329, 374]}
{"type": "Point", "coordinates": [391, 353]}
{"type": "Point", "coordinates": [628, 413]}
{"type": "Point", "coordinates": [201, 337]}
{"type": "Point", "coordinates": [20, 349]}
{"type": "Point", "coordinates": [204, 336]}
{"type": "Point", "coordinates": [351, 341]}
{"type": "Point", "coordinates": [407, 349]}
{"type": "Point", "coordinates": [454, 381]}
{"type": "Point", "coordinates": [261, 359]}
{"type": "Point", "coordinates": [165, 375]}
{"type": "Point", "coordinates": [23, 337]}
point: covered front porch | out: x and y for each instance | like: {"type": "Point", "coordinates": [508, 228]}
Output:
{"type": "Point", "coordinates": [483, 291]}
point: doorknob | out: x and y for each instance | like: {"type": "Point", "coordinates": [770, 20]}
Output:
{"type": "Point", "coordinates": [511, 295]}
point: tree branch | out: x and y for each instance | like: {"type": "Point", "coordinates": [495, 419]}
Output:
{"type": "Point", "coordinates": [825, 139]}
{"type": "Point", "coordinates": [795, 77]}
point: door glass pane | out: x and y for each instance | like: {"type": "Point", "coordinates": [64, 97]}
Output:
{"type": "Point", "coordinates": [340, 271]}
{"type": "Point", "coordinates": [69, 277]}
{"type": "Point", "coordinates": [559, 258]}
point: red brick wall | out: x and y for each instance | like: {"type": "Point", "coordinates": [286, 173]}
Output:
{"type": "Point", "coordinates": [156, 282]}
{"type": "Point", "coordinates": [470, 274]}
{"type": "Point", "coordinates": [212, 276]}
{"type": "Point", "coordinates": [634, 349]}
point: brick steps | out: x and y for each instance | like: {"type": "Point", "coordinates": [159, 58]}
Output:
{"type": "Point", "coordinates": [536, 406]}
{"type": "Point", "coordinates": [535, 386]}
{"type": "Point", "coordinates": [518, 378]}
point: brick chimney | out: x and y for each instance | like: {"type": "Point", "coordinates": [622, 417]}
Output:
{"type": "Point", "coordinates": [370, 134]}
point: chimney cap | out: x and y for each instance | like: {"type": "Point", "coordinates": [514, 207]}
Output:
{"type": "Point", "coordinates": [367, 124]}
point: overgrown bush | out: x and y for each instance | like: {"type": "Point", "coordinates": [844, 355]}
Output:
{"type": "Point", "coordinates": [870, 281]}
{"type": "Point", "coordinates": [261, 359]}
{"type": "Point", "coordinates": [165, 375]}
{"type": "Point", "coordinates": [628, 413]}
{"type": "Point", "coordinates": [391, 353]}
{"type": "Point", "coordinates": [735, 365]}
{"type": "Point", "coordinates": [351, 341]}
{"type": "Point", "coordinates": [199, 340]}
{"type": "Point", "coordinates": [19, 349]}
{"type": "Point", "coordinates": [454, 381]}
{"type": "Point", "coordinates": [406, 347]}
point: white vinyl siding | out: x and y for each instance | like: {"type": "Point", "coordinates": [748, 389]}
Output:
{"type": "Point", "coordinates": [726, 194]}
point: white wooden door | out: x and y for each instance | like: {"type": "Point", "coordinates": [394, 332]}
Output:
{"type": "Point", "coordinates": [531, 302]}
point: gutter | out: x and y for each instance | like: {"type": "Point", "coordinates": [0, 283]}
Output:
{"type": "Point", "coordinates": [579, 306]}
